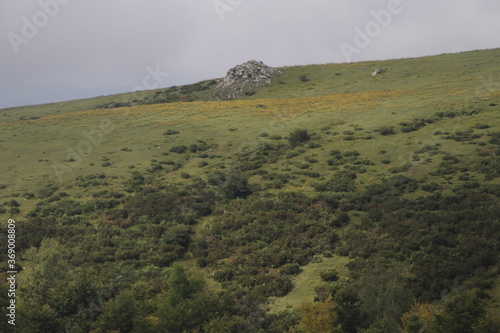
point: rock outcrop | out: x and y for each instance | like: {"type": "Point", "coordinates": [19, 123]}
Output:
{"type": "Point", "coordinates": [244, 79]}
{"type": "Point", "coordinates": [378, 71]}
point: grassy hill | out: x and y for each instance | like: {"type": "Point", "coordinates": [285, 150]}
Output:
{"type": "Point", "coordinates": [391, 179]}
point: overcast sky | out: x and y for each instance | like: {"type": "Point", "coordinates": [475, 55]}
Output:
{"type": "Point", "coordinates": [53, 50]}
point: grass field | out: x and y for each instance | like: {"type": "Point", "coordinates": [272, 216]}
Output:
{"type": "Point", "coordinates": [305, 283]}
{"type": "Point", "coordinates": [409, 89]}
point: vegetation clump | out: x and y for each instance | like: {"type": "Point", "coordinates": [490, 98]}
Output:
{"type": "Point", "coordinates": [386, 130]}
{"type": "Point", "coordinates": [298, 137]}
{"type": "Point", "coordinates": [171, 132]}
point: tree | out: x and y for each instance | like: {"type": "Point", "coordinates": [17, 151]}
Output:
{"type": "Point", "coordinates": [37, 318]}
{"type": "Point", "coordinates": [51, 293]}
{"type": "Point", "coordinates": [187, 304]}
{"type": "Point", "coordinates": [348, 308]}
{"type": "Point", "coordinates": [180, 287]}
{"type": "Point", "coordinates": [381, 325]}
{"type": "Point", "coordinates": [383, 291]}
{"type": "Point", "coordinates": [47, 266]}
{"type": "Point", "coordinates": [420, 319]}
{"type": "Point", "coordinates": [489, 324]}
{"type": "Point", "coordinates": [461, 312]}
{"type": "Point", "coordinates": [118, 314]}
{"type": "Point", "coordinates": [319, 318]}
{"type": "Point", "coordinates": [227, 324]}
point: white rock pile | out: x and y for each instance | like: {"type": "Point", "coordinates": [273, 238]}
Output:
{"type": "Point", "coordinates": [244, 79]}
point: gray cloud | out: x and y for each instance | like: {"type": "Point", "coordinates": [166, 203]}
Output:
{"type": "Point", "coordinates": [93, 47]}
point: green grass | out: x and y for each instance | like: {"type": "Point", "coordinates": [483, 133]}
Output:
{"type": "Point", "coordinates": [306, 282]}
{"type": "Point", "coordinates": [411, 88]}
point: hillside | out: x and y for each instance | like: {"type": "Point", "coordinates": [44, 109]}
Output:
{"type": "Point", "coordinates": [375, 190]}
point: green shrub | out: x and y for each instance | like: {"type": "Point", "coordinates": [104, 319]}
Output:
{"type": "Point", "coordinates": [178, 235]}
{"type": "Point", "coordinates": [431, 187]}
{"type": "Point", "coordinates": [329, 275]}
{"type": "Point", "coordinates": [171, 132]}
{"type": "Point", "coordinates": [386, 130]}
{"type": "Point", "coordinates": [343, 181]}
{"type": "Point", "coordinates": [414, 125]}
{"type": "Point", "coordinates": [29, 195]}
{"type": "Point", "coordinates": [178, 149]}
{"type": "Point", "coordinates": [47, 191]}
{"type": "Point", "coordinates": [155, 167]}
{"type": "Point", "coordinates": [11, 203]}
{"type": "Point", "coordinates": [402, 168]}
{"type": "Point", "coordinates": [340, 219]}
{"type": "Point", "coordinates": [169, 162]}
{"type": "Point", "coordinates": [290, 269]}
{"type": "Point", "coordinates": [313, 145]}
{"type": "Point", "coordinates": [14, 210]}
{"type": "Point", "coordinates": [495, 138]}
{"type": "Point", "coordinates": [351, 153]}
{"type": "Point", "coordinates": [232, 184]}
{"type": "Point", "coordinates": [298, 137]}
{"type": "Point", "coordinates": [136, 178]}
{"type": "Point", "coordinates": [311, 174]}
{"type": "Point", "coordinates": [226, 274]}
{"type": "Point", "coordinates": [202, 262]}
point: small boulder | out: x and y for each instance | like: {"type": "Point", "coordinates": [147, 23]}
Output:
{"type": "Point", "coordinates": [377, 72]}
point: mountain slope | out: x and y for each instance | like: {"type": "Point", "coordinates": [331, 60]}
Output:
{"type": "Point", "coordinates": [392, 181]}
